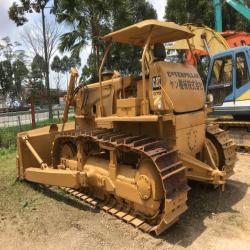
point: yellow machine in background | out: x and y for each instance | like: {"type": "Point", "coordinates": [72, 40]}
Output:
{"type": "Point", "coordinates": [205, 40]}
{"type": "Point", "coordinates": [135, 139]}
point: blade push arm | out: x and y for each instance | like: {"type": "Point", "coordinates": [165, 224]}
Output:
{"type": "Point", "coordinates": [69, 96]}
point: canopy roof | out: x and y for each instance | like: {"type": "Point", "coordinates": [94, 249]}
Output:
{"type": "Point", "coordinates": [137, 34]}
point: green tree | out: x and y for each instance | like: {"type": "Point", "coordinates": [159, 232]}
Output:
{"type": "Point", "coordinates": [63, 66]}
{"type": "Point", "coordinates": [11, 51]}
{"type": "Point", "coordinates": [202, 12]}
{"type": "Point", "coordinates": [125, 58]}
{"type": "Point", "coordinates": [90, 20]}
{"type": "Point", "coordinates": [13, 77]}
{"type": "Point", "coordinates": [6, 81]}
{"type": "Point", "coordinates": [6, 48]}
{"type": "Point", "coordinates": [193, 11]}
{"type": "Point", "coordinates": [20, 78]}
{"type": "Point", "coordinates": [89, 73]}
{"type": "Point", "coordinates": [74, 61]}
{"type": "Point", "coordinates": [17, 14]}
{"type": "Point", "coordinates": [37, 74]}
{"type": "Point", "coordinates": [13, 70]}
{"type": "Point", "coordinates": [56, 66]}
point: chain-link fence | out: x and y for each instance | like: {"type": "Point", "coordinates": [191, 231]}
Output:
{"type": "Point", "coordinates": [12, 123]}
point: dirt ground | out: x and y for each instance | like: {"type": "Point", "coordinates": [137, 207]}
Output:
{"type": "Point", "coordinates": [33, 217]}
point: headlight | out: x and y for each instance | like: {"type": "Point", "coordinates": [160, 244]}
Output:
{"type": "Point", "coordinates": [210, 98]}
{"type": "Point", "coordinates": [158, 103]}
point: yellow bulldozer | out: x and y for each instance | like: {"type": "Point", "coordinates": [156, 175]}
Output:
{"type": "Point", "coordinates": [136, 140]}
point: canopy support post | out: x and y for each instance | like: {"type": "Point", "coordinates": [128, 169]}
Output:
{"type": "Point", "coordinates": [145, 103]}
{"type": "Point", "coordinates": [102, 111]}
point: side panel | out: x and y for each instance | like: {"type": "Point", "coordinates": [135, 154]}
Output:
{"type": "Point", "coordinates": [179, 85]}
{"type": "Point", "coordinates": [87, 98]}
{"type": "Point", "coordinates": [190, 132]}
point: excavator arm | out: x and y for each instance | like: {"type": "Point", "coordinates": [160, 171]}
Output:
{"type": "Point", "coordinates": [206, 41]}
{"type": "Point", "coordinates": [240, 7]}
{"type": "Point", "coordinates": [237, 5]}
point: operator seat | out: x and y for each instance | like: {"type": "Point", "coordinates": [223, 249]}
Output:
{"type": "Point", "coordinates": [239, 78]}
{"type": "Point", "coordinates": [159, 52]}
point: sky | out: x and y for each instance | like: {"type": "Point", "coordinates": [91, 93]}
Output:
{"type": "Point", "coordinates": [9, 28]}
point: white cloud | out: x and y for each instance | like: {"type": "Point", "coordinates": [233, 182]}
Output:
{"type": "Point", "coordinates": [159, 5]}
{"type": "Point", "coordinates": [9, 28]}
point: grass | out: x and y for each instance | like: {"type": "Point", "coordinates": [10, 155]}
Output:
{"type": "Point", "coordinates": [7, 151]}
{"type": "Point", "coordinates": [11, 189]}
{"type": "Point", "coordinates": [15, 196]}
{"type": "Point", "coordinates": [8, 135]}
{"type": "Point", "coordinates": [25, 205]}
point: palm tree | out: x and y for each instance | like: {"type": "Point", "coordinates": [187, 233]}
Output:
{"type": "Point", "coordinates": [88, 20]}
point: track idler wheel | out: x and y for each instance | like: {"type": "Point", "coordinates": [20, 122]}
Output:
{"type": "Point", "coordinates": [222, 148]}
{"type": "Point", "coordinates": [216, 154]}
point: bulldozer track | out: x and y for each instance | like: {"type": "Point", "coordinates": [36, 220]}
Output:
{"type": "Point", "coordinates": [243, 150]}
{"type": "Point", "coordinates": [165, 160]}
{"type": "Point", "coordinates": [226, 144]}
{"type": "Point", "coordinates": [226, 124]}
{"type": "Point", "coordinates": [233, 123]}
{"type": "Point", "coordinates": [111, 209]}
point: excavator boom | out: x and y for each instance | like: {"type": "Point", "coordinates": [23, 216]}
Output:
{"type": "Point", "coordinates": [206, 40]}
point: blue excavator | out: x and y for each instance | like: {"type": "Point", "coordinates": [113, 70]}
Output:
{"type": "Point", "coordinates": [228, 80]}
{"type": "Point", "coordinates": [237, 5]}
{"type": "Point", "coordinates": [227, 77]}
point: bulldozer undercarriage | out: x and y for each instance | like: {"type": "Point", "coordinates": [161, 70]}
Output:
{"type": "Point", "coordinates": [239, 132]}
{"type": "Point", "coordinates": [138, 179]}
{"type": "Point", "coordinates": [222, 148]}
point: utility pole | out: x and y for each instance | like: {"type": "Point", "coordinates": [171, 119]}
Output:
{"type": "Point", "coordinates": [46, 63]}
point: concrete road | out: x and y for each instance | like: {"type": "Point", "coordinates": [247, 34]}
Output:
{"type": "Point", "coordinates": [12, 119]}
